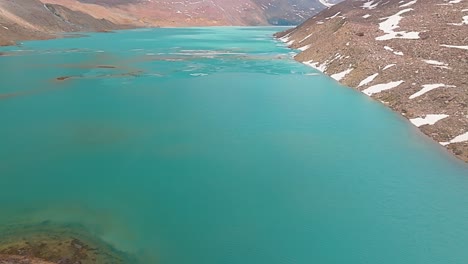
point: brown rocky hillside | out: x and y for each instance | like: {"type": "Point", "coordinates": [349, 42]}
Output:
{"type": "Point", "coordinates": [411, 55]}
{"type": "Point", "coordinates": [31, 19]}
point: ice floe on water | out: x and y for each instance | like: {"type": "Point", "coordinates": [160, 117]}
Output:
{"type": "Point", "coordinates": [312, 74]}
{"type": "Point", "coordinates": [391, 23]}
{"type": "Point", "coordinates": [381, 87]}
{"type": "Point", "coordinates": [199, 74]}
{"type": "Point", "coordinates": [430, 119]}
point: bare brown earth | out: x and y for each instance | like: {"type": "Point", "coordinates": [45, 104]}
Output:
{"type": "Point", "coordinates": [342, 38]}
{"type": "Point", "coordinates": [205, 12]}
{"type": "Point", "coordinates": [47, 243]}
{"type": "Point", "coordinates": [31, 19]}
{"type": "Point", "coordinates": [171, 13]}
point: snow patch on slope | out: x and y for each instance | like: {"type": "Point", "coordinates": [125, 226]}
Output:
{"type": "Point", "coordinates": [457, 139]}
{"type": "Point", "coordinates": [426, 88]}
{"type": "Point", "coordinates": [455, 47]}
{"type": "Point", "coordinates": [391, 23]}
{"type": "Point", "coordinates": [427, 120]}
{"type": "Point", "coordinates": [316, 65]}
{"type": "Point", "coordinates": [367, 80]}
{"type": "Point", "coordinates": [339, 76]}
{"type": "Point", "coordinates": [381, 87]}
{"type": "Point", "coordinates": [370, 5]}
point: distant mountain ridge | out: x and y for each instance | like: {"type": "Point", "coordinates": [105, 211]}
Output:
{"type": "Point", "coordinates": [32, 19]}
{"type": "Point", "coordinates": [411, 55]}
{"type": "Point", "coordinates": [210, 12]}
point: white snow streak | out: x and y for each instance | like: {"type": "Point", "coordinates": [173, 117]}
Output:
{"type": "Point", "coordinates": [427, 120]}
{"type": "Point", "coordinates": [391, 23]}
{"type": "Point", "coordinates": [409, 3]}
{"type": "Point", "coordinates": [315, 65]}
{"type": "Point", "coordinates": [335, 15]}
{"type": "Point", "coordinates": [308, 36]}
{"type": "Point", "coordinates": [339, 76]}
{"type": "Point", "coordinates": [304, 47]}
{"type": "Point", "coordinates": [399, 53]}
{"type": "Point", "coordinates": [381, 87]}
{"type": "Point", "coordinates": [434, 62]}
{"type": "Point", "coordinates": [455, 47]}
{"type": "Point", "coordinates": [370, 5]}
{"type": "Point", "coordinates": [457, 139]}
{"type": "Point", "coordinates": [464, 21]}
{"type": "Point", "coordinates": [437, 64]}
{"type": "Point", "coordinates": [368, 79]}
{"type": "Point", "coordinates": [426, 88]}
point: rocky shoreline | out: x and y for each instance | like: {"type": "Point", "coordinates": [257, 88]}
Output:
{"type": "Point", "coordinates": [52, 243]}
{"type": "Point", "coordinates": [410, 55]}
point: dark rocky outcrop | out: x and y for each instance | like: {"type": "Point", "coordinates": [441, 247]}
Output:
{"type": "Point", "coordinates": [418, 47]}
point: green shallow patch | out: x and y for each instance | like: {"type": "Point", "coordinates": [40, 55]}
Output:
{"type": "Point", "coordinates": [49, 242]}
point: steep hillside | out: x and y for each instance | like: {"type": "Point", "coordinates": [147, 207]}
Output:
{"type": "Point", "coordinates": [31, 19]}
{"type": "Point", "coordinates": [411, 55]}
{"type": "Point", "coordinates": [202, 12]}
{"type": "Point", "coordinates": [289, 12]}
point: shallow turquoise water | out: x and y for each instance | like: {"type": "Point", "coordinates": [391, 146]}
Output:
{"type": "Point", "coordinates": [211, 145]}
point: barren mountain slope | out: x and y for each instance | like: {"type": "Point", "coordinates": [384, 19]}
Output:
{"type": "Point", "coordinates": [412, 55]}
{"type": "Point", "coordinates": [31, 19]}
{"type": "Point", "coordinates": [202, 12]}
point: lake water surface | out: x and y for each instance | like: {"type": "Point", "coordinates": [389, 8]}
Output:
{"type": "Point", "coordinates": [213, 146]}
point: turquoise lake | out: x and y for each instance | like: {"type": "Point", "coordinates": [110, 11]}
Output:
{"type": "Point", "coordinates": [213, 146]}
